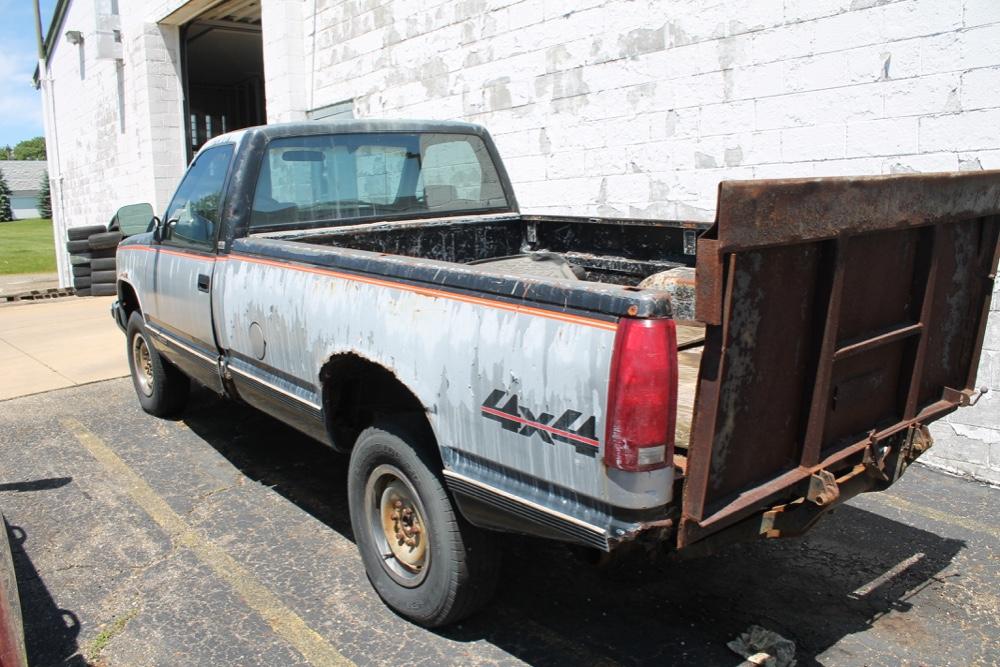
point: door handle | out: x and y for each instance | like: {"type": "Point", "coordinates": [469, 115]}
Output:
{"type": "Point", "coordinates": [203, 282]}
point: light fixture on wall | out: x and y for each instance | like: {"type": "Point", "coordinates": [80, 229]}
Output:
{"type": "Point", "coordinates": [74, 36]}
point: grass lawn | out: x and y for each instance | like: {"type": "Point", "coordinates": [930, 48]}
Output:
{"type": "Point", "coordinates": [26, 246]}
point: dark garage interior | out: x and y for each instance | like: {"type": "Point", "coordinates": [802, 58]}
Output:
{"type": "Point", "coordinates": [223, 71]}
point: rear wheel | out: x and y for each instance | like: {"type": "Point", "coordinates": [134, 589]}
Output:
{"type": "Point", "coordinates": [423, 559]}
{"type": "Point", "coordinates": [162, 389]}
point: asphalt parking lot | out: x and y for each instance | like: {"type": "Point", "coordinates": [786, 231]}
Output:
{"type": "Point", "coordinates": [223, 538]}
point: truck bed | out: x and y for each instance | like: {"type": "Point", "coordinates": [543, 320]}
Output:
{"type": "Point", "coordinates": [619, 252]}
{"type": "Point", "coordinates": [616, 251]}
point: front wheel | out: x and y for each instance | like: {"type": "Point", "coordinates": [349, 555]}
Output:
{"type": "Point", "coordinates": [423, 559]}
{"type": "Point", "coordinates": [162, 389]}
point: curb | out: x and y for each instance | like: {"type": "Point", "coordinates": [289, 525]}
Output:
{"type": "Point", "coordinates": [38, 295]}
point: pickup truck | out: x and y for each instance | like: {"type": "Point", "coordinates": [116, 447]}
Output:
{"type": "Point", "coordinates": [592, 380]}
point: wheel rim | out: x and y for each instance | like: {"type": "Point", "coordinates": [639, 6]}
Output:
{"type": "Point", "coordinates": [397, 525]}
{"type": "Point", "coordinates": [143, 364]}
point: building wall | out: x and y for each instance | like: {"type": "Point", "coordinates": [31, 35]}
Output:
{"type": "Point", "coordinates": [118, 123]}
{"type": "Point", "coordinates": [640, 108]}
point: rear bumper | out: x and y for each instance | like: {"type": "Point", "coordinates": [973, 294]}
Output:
{"type": "Point", "coordinates": [118, 314]}
{"type": "Point", "coordinates": [504, 500]}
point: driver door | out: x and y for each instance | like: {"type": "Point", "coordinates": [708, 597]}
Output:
{"type": "Point", "coordinates": [185, 268]}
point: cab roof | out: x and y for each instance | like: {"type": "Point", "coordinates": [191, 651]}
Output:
{"type": "Point", "coordinates": [352, 126]}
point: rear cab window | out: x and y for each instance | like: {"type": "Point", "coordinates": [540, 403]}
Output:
{"type": "Point", "coordinates": [350, 178]}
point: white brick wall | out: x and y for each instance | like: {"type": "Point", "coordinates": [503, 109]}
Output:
{"type": "Point", "coordinates": [609, 107]}
{"type": "Point", "coordinates": [747, 89]}
{"type": "Point", "coordinates": [663, 99]}
{"type": "Point", "coordinates": [117, 144]}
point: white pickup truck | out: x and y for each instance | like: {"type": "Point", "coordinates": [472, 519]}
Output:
{"type": "Point", "coordinates": [598, 381]}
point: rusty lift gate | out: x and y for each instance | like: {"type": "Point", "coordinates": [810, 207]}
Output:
{"type": "Point", "coordinates": [842, 316]}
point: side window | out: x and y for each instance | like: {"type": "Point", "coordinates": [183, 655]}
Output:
{"type": "Point", "coordinates": [193, 214]}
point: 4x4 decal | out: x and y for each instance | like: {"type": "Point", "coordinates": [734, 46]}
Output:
{"type": "Point", "coordinates": [517, 418]}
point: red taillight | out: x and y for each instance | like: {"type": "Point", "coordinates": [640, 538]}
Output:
{"type": "Point", "coordinates": [642, 396]}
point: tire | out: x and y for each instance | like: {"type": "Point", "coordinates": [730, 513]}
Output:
{"type": "Point", "coordinates": [83, 233]}
{"type": "Point", "coordinates": [81, 281]}
{"type": "Point", "coordinates": [456, 573]}
{"type": "Point", "coordinates": [162, 389]}
{"type": "Point", "coordinates": [77, 246]}
{"type": "Point", "coordinates": [82, 270]}
{"type": "Point", "coordinates": [103, 289]}
{"type": "Point", "coordinates": [103, 253]}
{"type": "Point", "coordinates": [104, 240]}
{"type": "Point", "coordinates": [83, 291]}
{"type": "Point", "coordinates": [80, 259]}
{"type": "Point", "coordinates": [104, 264]}
{"type": "Point", "coordinates": [108, 277]}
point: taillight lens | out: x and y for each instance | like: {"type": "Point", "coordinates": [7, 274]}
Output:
{"type": "Point", "coordinates": [642, 396]}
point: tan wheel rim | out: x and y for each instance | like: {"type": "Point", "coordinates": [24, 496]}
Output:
{"type": "Point", "coordinates": [142, 365]}
{"type": "Point", "coordinates": [396, 520]}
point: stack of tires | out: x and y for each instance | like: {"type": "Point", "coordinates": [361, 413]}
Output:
{"type": "Point", "coordinates": [92, 254]}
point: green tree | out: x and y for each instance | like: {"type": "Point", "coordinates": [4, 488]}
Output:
{"type": "Point", "coordinates": [5, 212]}
{"type": "Point", "coordinates": [6, 153]}
{"type": "Point", "coordinates": [45, 198]}
{"type": "Point", "coordinates": [30, 149]}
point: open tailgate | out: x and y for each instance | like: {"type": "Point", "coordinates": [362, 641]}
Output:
{"type": "Point", "coordinates": [841, 315]}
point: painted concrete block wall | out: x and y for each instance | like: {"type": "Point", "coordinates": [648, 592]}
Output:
{"type": "Point", "coordinates": [640, 108]}
{"type": "Point", "coordinates": [118, 124]}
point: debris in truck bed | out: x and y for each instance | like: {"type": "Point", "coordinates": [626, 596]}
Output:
{"type": "Point", "coordinates": [763, 647]}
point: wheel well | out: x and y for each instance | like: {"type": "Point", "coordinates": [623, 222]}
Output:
{"type": "Point", "coordinates": [128, 299]}
{"type": "Point", "coordinates": [357, 392]}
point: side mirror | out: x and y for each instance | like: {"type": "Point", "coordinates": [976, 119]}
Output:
{"type": "Point", "coordinates": [135, 219]}
{"type": "Point", "coordinates": [161, 229]}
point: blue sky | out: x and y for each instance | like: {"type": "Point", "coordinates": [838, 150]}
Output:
{"type": "Point", "coordinates": [20, 104]}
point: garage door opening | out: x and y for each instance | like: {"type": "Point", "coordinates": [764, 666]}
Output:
{"type": "Point", "coordinates": [223, 71]}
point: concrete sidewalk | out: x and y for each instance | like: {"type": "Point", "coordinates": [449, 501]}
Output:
{"type": "Point", "coordinates": [53, 344]}
{"type": "Point", "coordinates": [16, 283]}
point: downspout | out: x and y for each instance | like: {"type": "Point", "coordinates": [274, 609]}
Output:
{"type": "Point", "coordinates": [52, 149]}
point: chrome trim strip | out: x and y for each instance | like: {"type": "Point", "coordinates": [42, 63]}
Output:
{"type": "Point", "coordinates": [184, 346]}
{"type": "Point", "coordinates": [271, 385]}
{"type": "Point", "coordinates": [518, 499]}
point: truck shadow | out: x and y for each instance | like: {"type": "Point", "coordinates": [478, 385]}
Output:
{"type": "Point", "coordinates": [553, 608]}
{"type": "Point", "coordinates": [50, 633]}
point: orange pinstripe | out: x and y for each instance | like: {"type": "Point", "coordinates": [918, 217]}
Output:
{"type": "Point", "coordinates": [378, 282]}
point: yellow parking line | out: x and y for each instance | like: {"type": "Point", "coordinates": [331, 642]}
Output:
{"type": "Point", "coordinates": [286, 623]}
{"type": "Point", "coordinates": [936, 515]}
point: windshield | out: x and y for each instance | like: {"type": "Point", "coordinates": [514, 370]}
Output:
{"type": "Point", "coordinates": [324, 178]}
